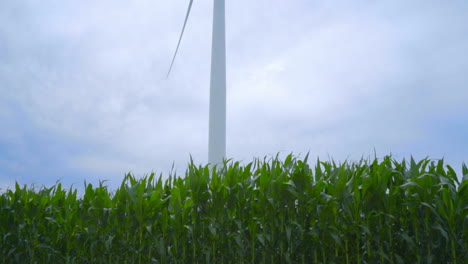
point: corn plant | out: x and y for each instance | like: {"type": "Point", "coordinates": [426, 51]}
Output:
{"type": "Point", "coordinates": [266, 211]}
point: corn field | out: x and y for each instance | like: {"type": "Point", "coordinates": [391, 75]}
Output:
{"type": "Point", "coordinates": [268, 211]}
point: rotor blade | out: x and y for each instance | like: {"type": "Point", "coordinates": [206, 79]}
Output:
{"type": "Point", "coordinates": [180, 38]}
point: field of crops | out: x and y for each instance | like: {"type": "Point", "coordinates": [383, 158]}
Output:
{"type": "Point", "coordinates": [267, 211]}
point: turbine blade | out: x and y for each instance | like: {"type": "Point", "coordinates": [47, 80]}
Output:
{"type": "Point", "coordinates": [180, 38]}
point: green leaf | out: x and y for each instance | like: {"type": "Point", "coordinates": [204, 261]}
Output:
{"type": "Point", "coordinates": [261, 238]}
{"type": "Point", "coordinates": [442, 231]}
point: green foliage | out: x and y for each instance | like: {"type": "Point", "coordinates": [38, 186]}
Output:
{"type": "Point", "coordinates": [264, 212]}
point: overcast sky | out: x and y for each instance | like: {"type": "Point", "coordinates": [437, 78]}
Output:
{"type": "Point", "coordinates": [83, 94]}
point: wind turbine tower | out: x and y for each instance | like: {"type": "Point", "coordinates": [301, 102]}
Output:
{"type": "Point", "coordinates": [217, 122]}
{"type": "Point", "coordinates": [217, 116]}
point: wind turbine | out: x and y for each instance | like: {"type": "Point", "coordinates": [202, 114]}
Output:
{"type": "Point", "coordinates": [217, 117]}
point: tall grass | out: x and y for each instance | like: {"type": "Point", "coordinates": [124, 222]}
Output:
{"type": "Point", "coordinates": [275, 211]}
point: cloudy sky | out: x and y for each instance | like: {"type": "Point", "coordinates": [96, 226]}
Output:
{"type": "Point", "coordinates": [83, 93]}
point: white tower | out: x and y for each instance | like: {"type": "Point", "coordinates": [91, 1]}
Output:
{"type": "Point", "coordinates": [217, 116]}
{"type": "Point", "coordinates": [217, 121]}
